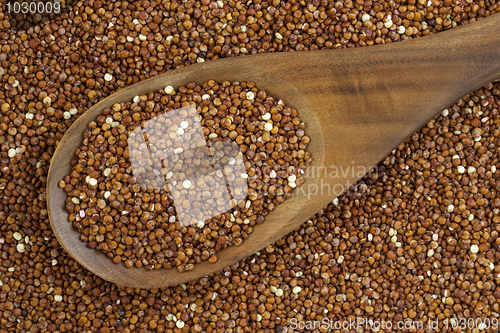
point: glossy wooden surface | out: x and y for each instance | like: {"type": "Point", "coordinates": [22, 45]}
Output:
{"type": "Point", "coordinates": [359, 104]}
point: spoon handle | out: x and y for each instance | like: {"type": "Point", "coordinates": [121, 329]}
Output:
{"type": "Point", "coordinates": [402, 80]}
{"type": "Point", "coordinates": [368, 100]}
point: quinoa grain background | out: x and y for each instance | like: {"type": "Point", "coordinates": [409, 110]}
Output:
{"type": "Point", "coordinates": [418, 240]}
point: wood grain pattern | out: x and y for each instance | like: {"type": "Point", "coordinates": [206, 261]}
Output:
{"type": "Point", "coordinates": [359, 104]}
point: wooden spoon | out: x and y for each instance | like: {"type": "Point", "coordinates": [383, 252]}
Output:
{"type": "Point", "coordinates": [359, 104]}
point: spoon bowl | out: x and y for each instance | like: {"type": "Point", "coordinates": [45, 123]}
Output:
{"type": "Point", "coordinates": [358, 104]}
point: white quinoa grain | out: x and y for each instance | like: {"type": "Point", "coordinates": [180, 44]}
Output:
{"type": "Point", "coordinates": [106, 172]}
{"type": "Point", "coordinates": [20, 248]}
{"type": "Point", "coordinates": [169, 90]}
